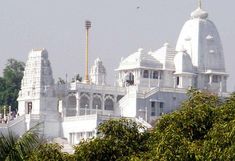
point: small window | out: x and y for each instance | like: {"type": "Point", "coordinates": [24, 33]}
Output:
{"type": "Point", "coordinates": [152, 104]}
{"type": "Point", "coordinates": [216, 78]}
{"type": "Point", "coordinates": [177, 81]}
{"type": "Point", "coordinates": [161, 108]}
{"type": "Point", "coordinates": [90, 134]}
{"type": "Point", "coordinates": [146, 73]}
{"type": "Point", "coordinates": [153, 109]}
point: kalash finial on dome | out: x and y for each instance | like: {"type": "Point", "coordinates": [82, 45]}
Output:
{"type": "Point", "coordinates": [199, 13]}
{"type": "Point", "coordinates": [199, 3]}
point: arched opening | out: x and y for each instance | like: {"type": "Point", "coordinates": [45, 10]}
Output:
{"type": "Point", "coordinates": [96, 103]}
{"type": "Point", "coordinates": [84, 105]}
{"type": "Point", "coordinates": [109, 104]}
{"type": "Point", "coordinates": [71, 108]}
{"type": "Point", "coordinates": [129, 79]}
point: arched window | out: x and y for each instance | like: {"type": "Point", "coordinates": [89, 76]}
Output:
{"type": "Point", "coordinates": [108, 104]}
{"type": "Point", "coordinates": [84, 105]}
{"type": "Point", "coordinates": [96, 103]}
{"type": "Point", "coordinates": [84, 102]}
{"type": "Point", "coordinates": [146, 74]}
{"type": "Point", "coordinates": [71, 108]}
{"type": "Point", "coordinates": [216, 78]}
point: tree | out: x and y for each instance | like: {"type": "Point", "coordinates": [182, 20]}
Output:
{"type": "Point", "coordinates": [10, 83]}
{"type": "Point", "coordinates": [78, 78]}
{"type": "Point", "coordinates": [51, 152]}
{"type": "Point", "coordinates": [117, 139]}
{"type": "Point", "coordinates": [219, 144]}
{"type": "Point", "coordinates": [16, 148]}
{"type": "Point", "coordinates": [60, 81]}
{"type": "Point", "coordinates": [202, 129]}
{"type": "Point", "coordinates": [13, 73]}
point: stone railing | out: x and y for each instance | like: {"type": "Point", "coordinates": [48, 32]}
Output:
{"type": "Point", "coordinates": [90, 117]}
{"type": "Point", "coordinates": [12, 122]}
{"type": "Point", "coordinates": [86, 111]}
{"type": "Point", "coordinates": [145, 94]}
{"type": "Point", "coordinates": [84, 117]}
{"type": "Point", "coordinates": [105, 88]}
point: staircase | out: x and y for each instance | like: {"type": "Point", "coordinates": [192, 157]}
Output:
{"type": "Point", "coordinates": [17, 126]}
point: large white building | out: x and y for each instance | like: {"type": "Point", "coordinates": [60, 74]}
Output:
{"type": "Point", "coordinates": [149, 84]}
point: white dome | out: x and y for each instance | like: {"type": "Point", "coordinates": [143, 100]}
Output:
{"type": "Point", "coordinates": [200, 38]}
{"type": "Point", "coordinates": [183, 63]}
{"type": "Point", "coordinates": [139, 60]}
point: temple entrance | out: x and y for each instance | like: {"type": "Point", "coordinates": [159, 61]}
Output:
{"type": "Point", "coordinates": [28, 108]}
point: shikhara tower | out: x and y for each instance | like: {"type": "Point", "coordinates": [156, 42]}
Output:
{"type": "Point", "coordinates": [199, 60]}
{"type": "Point", "coordinates": [149, 84]}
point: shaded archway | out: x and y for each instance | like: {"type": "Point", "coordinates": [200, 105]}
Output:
{"type": "Point", "coordinates": [109, 104]}
{"type": "Point", "coordinates": [84, 105]}
{"type": "Point", "coordinates": [96, 103]}
{"type": "Point", "coordinates": [71, 107]}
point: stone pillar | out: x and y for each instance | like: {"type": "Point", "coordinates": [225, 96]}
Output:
{"type": "Point", "coordinates": [90, 103]}
{"type": "Point", "coordinates": [210, 79]}
{"type": "Point", "coordinates": [77, 103]}
{"type": "Point", "coordinates": [103, 102]}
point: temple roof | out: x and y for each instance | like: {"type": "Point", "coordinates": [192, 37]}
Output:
{"type": "Point", "coordinates": [139, 59]}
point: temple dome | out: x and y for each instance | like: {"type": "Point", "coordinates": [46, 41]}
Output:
{"type": "Point", "coordinates": [200, 38]}
{"type": "Point", "coordinates": [139, 59]}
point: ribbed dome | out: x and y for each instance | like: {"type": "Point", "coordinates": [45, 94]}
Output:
{"type": "Point", "coordinates": [139, 60]}
{"type": "Point", "coordinates": [200, 38]}
{"type": "Point", "coordinates": [183, 63]}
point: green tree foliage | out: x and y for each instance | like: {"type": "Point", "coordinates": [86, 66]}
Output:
{"type": "Point", "coordinates": [51, 152]}
{"type": "Point", "coordinates": [16, 148]}
{"type": "Point", "coordinates": [10, 83]}
{"type": "Point", "coordinates": [30, 147]}
{"type": "Point", "coordinates": [118, 139]}
{"type": "Point", "coordinates": [203, 129]}
{"type": "Point", "coordinates": [78, 78]}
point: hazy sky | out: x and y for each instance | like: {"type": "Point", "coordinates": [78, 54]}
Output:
{"type": "Point", "coordinates": [119, 28]}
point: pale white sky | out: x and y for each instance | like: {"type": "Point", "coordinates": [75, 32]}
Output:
{"type": "Point", "coordinates": [118, 30]}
